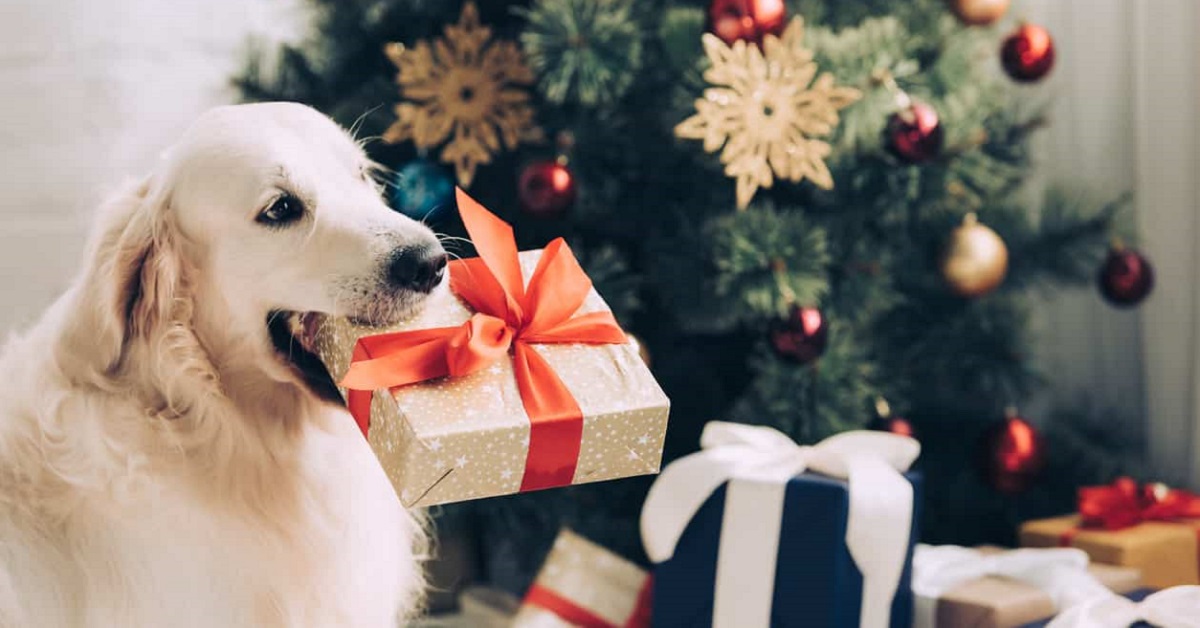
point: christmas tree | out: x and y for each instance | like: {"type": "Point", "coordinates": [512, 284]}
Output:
{"type": "Point", "coordinates": [810, 210]}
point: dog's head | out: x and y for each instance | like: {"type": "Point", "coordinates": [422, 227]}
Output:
{"type": "Point", "coordinates": [259, 216]}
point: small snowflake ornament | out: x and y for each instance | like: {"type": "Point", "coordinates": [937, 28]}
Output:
{"type": "Point", "coordinates": [766, 110]}
{"type": "Point", "coordinates": [466, 88]}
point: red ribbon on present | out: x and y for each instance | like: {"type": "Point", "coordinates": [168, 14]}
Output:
{"type": "Point", "coordinates": [576, 615]}
{"type": "Point", "coordinates": [1124, 504]}
{"type": "Point", "coordinates": [509, 319]}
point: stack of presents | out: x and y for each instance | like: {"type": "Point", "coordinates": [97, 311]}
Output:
{"type": "Point", "coordinates": [520, 379]}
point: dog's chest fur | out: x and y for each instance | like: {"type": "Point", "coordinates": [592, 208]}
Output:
{"type": "Point", "coordinates": [325, 544]}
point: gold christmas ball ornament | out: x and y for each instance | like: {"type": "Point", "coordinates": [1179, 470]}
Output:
{"type": "Point", "coordinates": [979, 12]}
{"type": "Point", "coordinates": [975, 260]}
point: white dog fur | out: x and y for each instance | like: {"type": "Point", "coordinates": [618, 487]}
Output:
{"type": "Point", "coordinates": [161, 464]}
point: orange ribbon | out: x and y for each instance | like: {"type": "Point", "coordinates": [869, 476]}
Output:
{"type": "Point", "coordinates": [509, 318]}
{"type": "Point", "coordinates": [576, 615]}
{"type": "Point", "coordinates": [1124, 504]}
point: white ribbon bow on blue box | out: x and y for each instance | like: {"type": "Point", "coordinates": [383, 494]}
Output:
{"type": "Point", "coordinates": [757, 462]}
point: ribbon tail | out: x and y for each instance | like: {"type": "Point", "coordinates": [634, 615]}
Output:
{"type": "Point", "coordinates": [555, 422]}
{"type": "Point", "coordinates": [358, 402]}
{"type": "Point", "coordinates": [747, 552]}
{"type": "Point", "coordinates": [878, 527]}
{"type": "Point", "coordinates": [678, 493]}
{"type": "Point", "coordinates": [590, 328]}
{"type": "Point", "coordinates": [372, 369]}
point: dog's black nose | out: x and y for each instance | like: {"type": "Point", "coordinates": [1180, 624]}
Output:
{"type": "Point", "coordinates": [417, 268]}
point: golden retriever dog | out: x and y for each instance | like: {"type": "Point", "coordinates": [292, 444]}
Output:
{"type": "Point", "coordinates": [170, 452]}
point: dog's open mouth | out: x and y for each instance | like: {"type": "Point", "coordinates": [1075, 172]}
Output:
{"type": "Point", "coordinates": [292, 334]}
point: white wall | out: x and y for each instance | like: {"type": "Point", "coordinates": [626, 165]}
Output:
{"type": "Point", "coordinates": [90, 92]}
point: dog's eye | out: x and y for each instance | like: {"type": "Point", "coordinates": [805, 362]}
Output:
{"type": "Point", "coordinates": [283, 210]}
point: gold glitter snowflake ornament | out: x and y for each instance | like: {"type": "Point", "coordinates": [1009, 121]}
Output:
{"type": "Point", "coordinates": [465, 87]}
{"type": "Point", "coordinates": [766, 110]}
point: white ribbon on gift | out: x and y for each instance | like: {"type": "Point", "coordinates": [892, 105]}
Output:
{"type": "Point", "coordinates": [757, 462]}
{"type": "Point", "coordinates": [1061, 573]}
{"type": "Point", "coordinates": [1177, 607]}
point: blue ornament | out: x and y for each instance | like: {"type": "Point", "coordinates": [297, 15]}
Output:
{"type": "Point", "coordinates": [422, 191]}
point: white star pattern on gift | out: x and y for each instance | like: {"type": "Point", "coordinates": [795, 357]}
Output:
{"type": "Point", "coordinates": [481, 416]}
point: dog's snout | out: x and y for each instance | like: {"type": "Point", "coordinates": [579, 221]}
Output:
{"type": "Point", "coordinates": [418, 269]}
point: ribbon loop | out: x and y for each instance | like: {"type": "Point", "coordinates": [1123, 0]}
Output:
{"type": "Point", "coordinates": [1177, 607]}
{"type": "Point", "coordinates": [757, 462]}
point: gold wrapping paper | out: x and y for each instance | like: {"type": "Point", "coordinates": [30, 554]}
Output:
{"type": "Point", "coordinates": [590, 576]}
{"type": "Point", "coordinates": [457, 439]}
{"type": "Point", "coordinates": [995, 602]}
{"type": "Point", "coordinates": [1165, 552]}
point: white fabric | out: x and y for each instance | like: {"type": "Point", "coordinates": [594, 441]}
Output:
{"type": "Point", "coordinates": [1060, 572]}
{"type": "Point", "coordinates": [757, 462]}
{"type": "Point", "coordinates": [1177, 607]}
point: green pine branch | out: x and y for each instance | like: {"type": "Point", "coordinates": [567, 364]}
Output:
{"type": "Point", "coordinates": [585, 52]}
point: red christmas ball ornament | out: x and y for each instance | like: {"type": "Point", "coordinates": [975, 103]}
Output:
{"type": "Point", "coordinates": [746, 20]}
{"type": "Point", "coordinates": [885, 421]}
{"type": "Point", "coordinates": [894, 424]}
{"type": "Point", "coordinates": [802, 336]}
{"type": "Point", "coordinates": [546, 188]}
{"type": "Point", "coordinates": [1028, 54]}
{"type": "Point", "coordinates": [1126, 278]}
{"type": "Point", "coordinates": [1013, 455]}
{"type": "Point", "coordinates": [914, 133]}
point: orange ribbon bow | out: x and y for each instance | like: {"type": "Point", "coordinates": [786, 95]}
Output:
{"type": "Point", "coordinates": [1124, 504]}
{"type": "Point", "coordinates": [509, 318]}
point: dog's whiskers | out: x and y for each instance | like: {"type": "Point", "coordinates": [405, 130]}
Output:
{"type": "Point", "coordinates": [357, 126]}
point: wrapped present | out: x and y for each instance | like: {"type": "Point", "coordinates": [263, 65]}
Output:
{"type": "Point", "coordinates": [1176, 607]}
{"type": "Point", "coordinates": [756, 531]}
{"type": "Point", "coordinates": [990, 588]}
{"type": "Point", "coordinates": [583, 584]}
{"type": "Point", "coordinates": [521, 380]}
{"type": "Point", "coordinates": [1150, 528]}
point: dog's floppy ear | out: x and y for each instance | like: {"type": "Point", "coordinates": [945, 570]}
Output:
{"type": "Point", "coordinates": [133, 277]}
